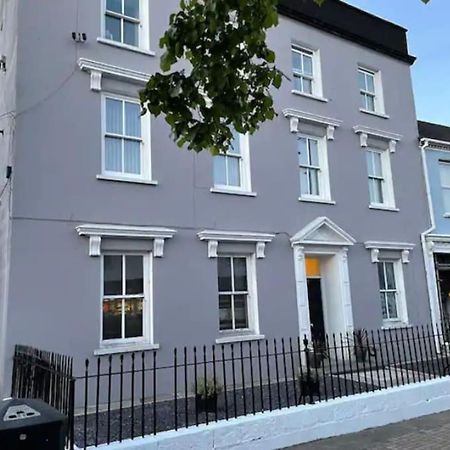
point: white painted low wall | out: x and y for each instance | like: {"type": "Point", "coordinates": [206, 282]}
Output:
{"type": "Point", "coordinates": [305, 423]}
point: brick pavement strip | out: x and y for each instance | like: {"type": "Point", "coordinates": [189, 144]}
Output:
{"type": "Point", "coordinates": [425, 433]}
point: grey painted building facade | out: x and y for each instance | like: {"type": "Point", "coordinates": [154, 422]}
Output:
{"type": "Point", "coordinates": [112, 237]}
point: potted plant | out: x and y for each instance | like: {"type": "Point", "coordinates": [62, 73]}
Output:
{"type": "Point", "coordinates": [361, 346]}
{"type": "Point", "coordinates": [317, 354]}
{"type": "Point", "coordinates": [309, 385]}
{"type": "Point", "coordinates": [206, 395]}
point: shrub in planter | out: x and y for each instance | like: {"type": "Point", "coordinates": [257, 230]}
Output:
{"type": "Point", "coordinates": [309, 385]}
{"type": "Point", "coordinates": [317, 354]}
{"type": "Point", "coordinates": [206, 395]}
{"type": "Point", "coordinates": [361, 347]}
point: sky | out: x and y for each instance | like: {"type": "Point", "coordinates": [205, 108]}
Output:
{"type": "Point", "coordinates": [429, 40]}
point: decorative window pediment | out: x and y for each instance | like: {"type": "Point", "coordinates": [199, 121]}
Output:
{"type": "Point", "coordinates": [96, 232]}
{"type": "Point", "coordinates": [376, 246]}
{"type": "Point", "coordinates": [366, 132]}
{"type": "Point", "coordinates": [297, 117]}
{"type": "Point", "coordinates": [323, 231]}
{"type": "Point", "coordinates": [214, 237]}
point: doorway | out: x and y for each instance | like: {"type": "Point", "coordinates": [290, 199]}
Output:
{"type": "Point", "coordinates": [442, 264]}
{"type": "Point", "coordinates": [315, 299]}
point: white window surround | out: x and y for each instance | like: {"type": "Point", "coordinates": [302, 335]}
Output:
{"type": "Point", "coordinates": [213, 237]}
{"type": "Point", "coordinates": [252, 332]}
{"type": "Point", "coordinates": [146, 341]}
{"type": "Point", "coordinates": [95, 233]}
{"type": "Point", "coordinates": [98, 70]}
{"type": "Point", "coordinates": [378, 93]}
{"type": "Point", "coordinates": [245, 187]}
{"type": "Point", "coordinates": [402, 311]}
{"type": "Point", "coordinates": [444, 166]}
{"type": "Point", "coordinates": [145, 177]}
{"type": "Point", "coordinates": [324, 195]}
{"type": "Point", "coordinates": [296, 117]}
{"type": "Point", "coordinates": [375, 247]}
{"type": "Point", "coordinates": [144, 29]}
{"type": "Point", "coordinates": [315, 77]}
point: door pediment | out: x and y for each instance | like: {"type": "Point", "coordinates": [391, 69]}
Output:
{"type": "Point", "coordinates": [323, 231]}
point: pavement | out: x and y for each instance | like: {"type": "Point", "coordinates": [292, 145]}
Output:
{"type": "Point", "coordinates": [426, 433]}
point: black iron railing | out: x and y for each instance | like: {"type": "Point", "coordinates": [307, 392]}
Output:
{"type": "Point", "coordinates": [124, 396]}
{"type": "Point", "coordinates": [47, 376]}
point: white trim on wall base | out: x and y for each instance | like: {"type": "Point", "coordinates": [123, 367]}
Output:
{"type": "Point", "coordinates": [95, 233]}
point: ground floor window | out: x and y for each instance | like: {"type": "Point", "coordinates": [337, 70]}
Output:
{"type": "Point", "coordinates": [123, 300]}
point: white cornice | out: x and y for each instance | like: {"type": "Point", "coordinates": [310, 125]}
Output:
{"type": "Point", "coordinates": [376, 246]}
{"type": "Point", "coordinates": [213, 237]}
{"type": "Point", "coordinates": [96, 232]}
{"type": "Point", "coordinates": [432, 144]}
{"type": "Point", "coordinates": [366, 132]}
{"type": "Point", "coordinates": [297, 116]}
{"type": "Point", "coordinates": [98, 69]}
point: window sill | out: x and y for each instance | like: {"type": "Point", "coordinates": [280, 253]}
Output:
{"type": "Point", "coordinates": [125, 46]}
{"type": "Point", "coordinates": [395, 325]}
{"type": "Point", "coordinates": [316, 200]}
{"type": "Point", "coordinates": [232, 192]}
{"type": "Point", "coordinates": [374, 113]}
{"type": "Point", "coordinates": [384, 208]}
{"type": "Point", "coordinates": [239, 338]}
{"type": "Point", "coordinates": [126, 179]}
{"type": "Point", "coordinates": [138, 347]}
{"type": "Point", "coordinates": [311, 96]}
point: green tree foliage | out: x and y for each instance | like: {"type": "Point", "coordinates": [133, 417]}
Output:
{"type": "Point", "coordinates": [224, 74]}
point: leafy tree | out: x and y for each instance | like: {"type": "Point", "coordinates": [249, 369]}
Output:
{"type": "Point", "coordinates": [224, 75]}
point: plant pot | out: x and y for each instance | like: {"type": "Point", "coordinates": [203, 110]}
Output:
{"type": "Point", "coordinates": [309, 386]}
{"type": "Point", "coordinates": [361, 354]}
{"type": "Point", "coordinates": [208, 404]}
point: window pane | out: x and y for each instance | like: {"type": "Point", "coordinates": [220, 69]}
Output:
{"type": "Point", "coordinates": [113, 154]}
{"type": "Point", "coordinates": [370, 105]}
{"type": "Point", "coordinates": [132, 157]}
{"type": "Point", "coordinates": [132, 8]}
{"type": "Point", "coordinates": [302, 152]}
{"type": "Point", "coordinates": [224, 273]}
{"type": "Point", "coordinates": [240, 311]}
{"type": "Point", "coordinates": [307, 86]}
{"type": "Point", "coordinates": [134, 269]}
{"type": "Point", "coordinates": [130, 33]}
{"type": "Point", "coordinates": [363, 101]}
{"type": "Point", "coordinates": [377, 167]}
{"type": "Point", "coordinates": [370, 82]}
{"type": "Point", "coordinates": [114, 118]}
{"type": "Point", "coordinates": [112, 319]}
{"type": "Point", "coordinates": [384, 310]}
{"type": "Point", "coordinates": [132, 119]}
{"type": "Point", "coordinates": [112, 275]}
{"type": "Point", "coordinates": [362, 81]}
{"type": "Point", "coordinates": [133, 318]}
{"type": "Point", "coordinates": [112, 28]}
{"type": "Point", "coordinates": [240, 274]}
{"type": "Point", "coordinates": [220, 170]}
{"type": "Point", "coordinates": [370, 163]}
{"type": "Point", "coordinates": [392, 305]}
{"type": "Point", "coordinates": [381, 279]}
{"type": "Point", "coordinates": [446, 195]}
{"type": "Point", "coordinates": [376, 191]}
{"type": "Point", "coordinates": [304, 181]}
{"type": "Point", "coordinates": [114, 5]}
{"type": "Point", "coordinates": [313, 152]}
{"type": "Point", "coordinates": [297, 83]}
{"type": "Point", "coordinates": [445, 174]}
{"type": "Point", "coordinates": [235, 144]}
{"type": "Point", "coordinates": [307, 65]}
{"type": "Point", "coordinates": [390, 275]}
{"type": "Point", "coordinates": [314, 181]}
{"type": "Point", "coordinates": [225, 315]}
{"type": "Point", "coordinates": [297, 61]}
{"type": "Point", "coordinates": [234, 172]}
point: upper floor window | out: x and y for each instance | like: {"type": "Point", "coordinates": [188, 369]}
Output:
{"type": "Point", "coordinates": [306, 72]}
{"type": "Point", "coordinates": [444, 168]}
{"type": "Point", "coordinates": [232, 170]}
{"type": "Point", "coordinates": [380, 178]}
{"type": "Point", "coordinates": [126, 22]}
{"type": "Point", "coordinates": [370, 91]}
{"type": "Point", "coordinates": [126, 139]}
{"type": "Point", "coordinates": [313, 165]}
{"type": "Point", "coordinates": [124, 298]}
